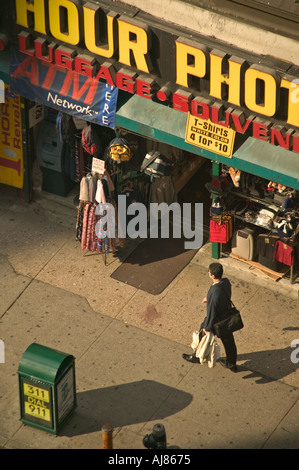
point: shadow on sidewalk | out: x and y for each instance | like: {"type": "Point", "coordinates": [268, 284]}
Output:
{"type": "Point", "coordinates": [124, 405]}
{"type": "Point", "coordinates": [269, 366]}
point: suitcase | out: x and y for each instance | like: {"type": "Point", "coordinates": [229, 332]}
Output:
{"type": "Point", "coordinates": [243, 244]}
{"type": "Point", "coordinates": [265, 250]}
{"type": "Point", "coordinates": [279, 199]}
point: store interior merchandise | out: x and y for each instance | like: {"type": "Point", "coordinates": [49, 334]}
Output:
{"type": "Point", "coordinates": [253, 219]}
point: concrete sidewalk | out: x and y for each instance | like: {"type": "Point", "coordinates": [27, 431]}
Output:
{"type": "Point", "coordinates": [128, 344]}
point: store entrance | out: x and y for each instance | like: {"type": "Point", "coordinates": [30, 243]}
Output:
{"type": "Point", "coordinates": [195, 192]}
{"type": "Point", "coordinates": [155, 262]}
{"type": "Point", "coordinates": [139, 170]}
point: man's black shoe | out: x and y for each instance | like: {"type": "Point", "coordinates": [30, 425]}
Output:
{"type": "Point", "coordinates": [190, 357]}
{"type": "Point", "coordinates": [232, 368]}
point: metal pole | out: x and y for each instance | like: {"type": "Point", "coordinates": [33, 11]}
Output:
{"type": "Point", "coordinates": [215, 246]}
{"type": "Point", "coordinates": [107, 433]}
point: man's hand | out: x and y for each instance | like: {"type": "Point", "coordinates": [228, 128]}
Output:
{"type": "Point", "coordinates": [204, 300]}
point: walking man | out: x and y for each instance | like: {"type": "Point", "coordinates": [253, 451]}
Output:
{"type": "Point", "coordinates": [218, 302]}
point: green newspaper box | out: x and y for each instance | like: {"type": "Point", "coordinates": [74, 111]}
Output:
{"type": "Point", "coordinates": [47, 387]}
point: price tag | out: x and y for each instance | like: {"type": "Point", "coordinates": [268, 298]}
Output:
{"type": "Point", "coordinates": [98, 166]}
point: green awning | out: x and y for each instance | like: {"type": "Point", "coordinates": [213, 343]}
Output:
{"type": "Point", "coordinates": [269, 161]}
{"type": "Point", "coordinates": [162, 123]}
{"type": "Point", "coordinates": [153, 120]}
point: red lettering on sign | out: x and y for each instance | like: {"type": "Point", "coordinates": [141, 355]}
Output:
{"type": "Point", "coordinates": [40, 45]}
{"type": "Point", "coordinates": [64, 58]}
{"type": "Point", "coordinates": [216, 110]}
{"type": "Point", "coordinates": [90, 84]}
{"type": "Point", "coordinates": [105, 74]}
{"type": "Point", "coordinates": [23, 70]}
{"type": "Point", "coordinates": [12, 164]}
{"type": "Point", "coordinates": [144, 88]}
{"type": "Point", "coordinates": [277, 137]}
{"type": "Point", "coordinates": [259, 131]}
{"type": "Point", "coordinates": [295, 142]}
{"type": "Point", "coordinates": [236, 119]}
{"type": "Point", "coordinates": [200, 109]}
{"type": "Point", "coordinates": [181, 101]}
{"type": "Point", "coordinates": [24, 38]}
{"type": "Point", "coordinates": [16, 143]}
{"type": "Point", "coordinates": [84, 66]}
{"type": "Point", "coordinates": [125, 82]}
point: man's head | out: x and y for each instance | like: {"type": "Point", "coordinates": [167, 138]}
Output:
{"type": "Point", "coordinates": [216, 270]}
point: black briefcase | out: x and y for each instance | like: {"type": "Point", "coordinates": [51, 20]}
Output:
{"type": "Point", "coordinates": [233, 322]}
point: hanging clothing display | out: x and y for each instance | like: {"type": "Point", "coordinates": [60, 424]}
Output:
{"type": "Point", "coordinates": [88, 186]}
{"type": "Point", "coordinates": [121, 177]}
{"type": "Point", "coordinates": [283, 253]}
{"type": "Point", "coordinates": [100, 196]}
{"type": "Point", "coordinates": [163, 190]}
{"type": "Point", "coordinates": [102, 241]}
{"type": "Point", "coordinates": [90, 231]}
{"type": "Point", "coordinates": [88, 224]}
{"type": "Point", "coordinates": [79, 158]}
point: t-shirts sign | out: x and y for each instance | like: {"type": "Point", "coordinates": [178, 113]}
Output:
{"type": "Point", "coordinates": [207, 135]}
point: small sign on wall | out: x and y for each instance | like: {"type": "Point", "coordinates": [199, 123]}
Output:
{"type": "Point", "coordinates": [36, 114]}
{"type": "Point", "coordinates": [207, 135]}
{"type": "Point", "coordinates": [98, 166]}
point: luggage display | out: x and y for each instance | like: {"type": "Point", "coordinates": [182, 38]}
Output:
{"type": "Point", "coordinates": [266, 249]}
{"type": "Point", "coordinates": [279, 199]}
{"type": "Point", "coordinates": [243, 243]}
{"type": "Point", "coordinates": [267, 207]}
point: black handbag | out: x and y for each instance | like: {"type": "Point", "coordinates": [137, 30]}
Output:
{"type": "Point", "coordinates": [232, 322]}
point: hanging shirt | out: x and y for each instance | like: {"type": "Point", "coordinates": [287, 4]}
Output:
{"type": "Point", "coordinates": [284, 253]}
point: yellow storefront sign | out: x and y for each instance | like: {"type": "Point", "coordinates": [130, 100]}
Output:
{"type": "Point", "coordinates": [11, 150]}
{"type": "Point", "coordinates": [207, 135]}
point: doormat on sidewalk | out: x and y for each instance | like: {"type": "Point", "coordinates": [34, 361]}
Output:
{"type": "Point", "coordinates": [154, 264]}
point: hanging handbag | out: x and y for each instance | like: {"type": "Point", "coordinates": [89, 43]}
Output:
{"type": "Point", "coordinates": [218, 231]}
{"type": "Point", "coordinates": [232, 322]}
